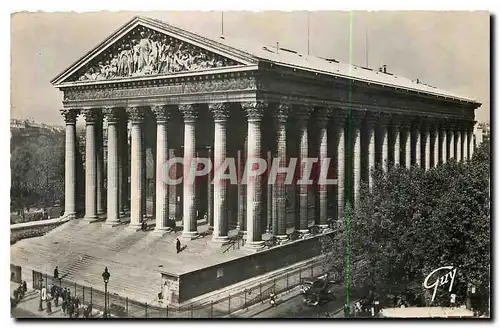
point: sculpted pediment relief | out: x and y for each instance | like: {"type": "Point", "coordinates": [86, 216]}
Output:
{"type": "Point", "coordinates": [146, 52]}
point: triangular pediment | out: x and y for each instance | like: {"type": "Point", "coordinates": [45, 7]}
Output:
{"type": "Point", "coordinates": [146, 47]}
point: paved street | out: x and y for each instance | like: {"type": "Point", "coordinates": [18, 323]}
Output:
{"type": "Point", "coordinates": [292, 306]}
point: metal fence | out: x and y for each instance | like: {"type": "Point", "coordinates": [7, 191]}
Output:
{"type": "Point", "coordinates": [123, 307]}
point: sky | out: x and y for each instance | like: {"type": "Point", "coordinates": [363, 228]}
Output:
{"type": "Point", "coordinates": [449, 50]}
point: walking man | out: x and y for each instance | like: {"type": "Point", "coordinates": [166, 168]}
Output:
{"type": "Point", "coordinates": [56, 273]}
{"type": "Point", "coordinates": [178, 245]}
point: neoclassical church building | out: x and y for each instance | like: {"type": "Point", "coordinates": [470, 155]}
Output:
{"type": "Point", "coordinates": [164, 90]}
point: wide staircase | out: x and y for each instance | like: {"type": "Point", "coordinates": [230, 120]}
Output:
{"type": "Point", "coordinates": [135, 259]}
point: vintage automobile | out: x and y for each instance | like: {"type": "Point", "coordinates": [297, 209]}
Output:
{"type": "Point", "coordinates": [319, 292]}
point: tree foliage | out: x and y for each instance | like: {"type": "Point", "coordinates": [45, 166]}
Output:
{"type": "Point", "coordinates": [415, 221]}
{"type": "Point", "coordinates": [37, 171]}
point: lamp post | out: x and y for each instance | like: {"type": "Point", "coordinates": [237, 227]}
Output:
{"type": "Point", "coordinates": [40, 306]}
{"type": "Point", "coordinates": [105, 277]}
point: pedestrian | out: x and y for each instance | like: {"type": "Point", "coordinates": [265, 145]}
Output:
{"type": "Point", "coordinates": [56, 297]}
{"type": "Point", "coordinates": [25, 288]}
{"type": "Point", "coordinates": [64, 305]}
{"type": "Point", "coordinates": [178, 245]}
{"type": "Point", "coordinates": [144, 225]}
{"type": "Point", "coordinates": [453, 298]}
{"type": "Point", "coordinates": [346, 311]}
{"type": "Point", "coordinates": [77, 312]}
{"type": "Point", "coordinates": [71, 309]}
{"type": "Point", "coordinates": [173, 225]}
{"type": "Point", "coordinates": [49, 307]}
{"type": "Point", "coordinates": [44, 294]}
{"type": "Point", "coordinates": [56, 273]}
{"type": "Point", "coordinates": [68, 294]}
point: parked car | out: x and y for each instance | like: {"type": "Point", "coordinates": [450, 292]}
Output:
{"type": "Point", "coordinates": [319, 292]}
{"type": "Point", "coordinates": [306, 285]}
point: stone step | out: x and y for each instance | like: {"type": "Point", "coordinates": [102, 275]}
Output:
{"type": "Point", "coordinates": [132, 281]}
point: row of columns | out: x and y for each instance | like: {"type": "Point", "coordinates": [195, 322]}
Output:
{"type": "Point", "coordinates": [429, 144]}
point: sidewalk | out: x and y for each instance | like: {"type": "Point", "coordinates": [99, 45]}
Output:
{"type": "Point", "coordinates": [255, 309]}
{"type": "Point", "coordinates": [31, 301]}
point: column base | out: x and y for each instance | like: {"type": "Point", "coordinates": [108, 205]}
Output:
{"type": "Point", "coordinates": [134, 226]}
{"type": "Point", "coordinates": [161, 231]}
{"type": "Point", "coordinates": [112, 223]}
{"type": "Point", "coordinates": [70, 216]}
{"type": "Point", "coordinates": [323, 226]}
{"type": "Point", "coordinates": [189, 235]}
{"type": "Point", "coordinates": [255, 245]}
{"type": "Point", "coordinates": [220, 239]}
{"type": "Point", "coordinates": [90, 219]}
{"type": "Point", "coordinates": [303, 231]}
{"type": "Point", "coordinates": [282, 237]}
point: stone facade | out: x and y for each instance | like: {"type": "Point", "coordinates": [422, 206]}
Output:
{"type": "Point", "coordinates": [180, 98]}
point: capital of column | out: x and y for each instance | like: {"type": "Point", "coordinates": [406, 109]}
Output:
{"type": "Point", "coordinates": [220, 111]}
{"type": "Point", "coordinates": [323, 115]}
{"type": "Point", "coordinates": [339, 116]}
{"type": "Point", "coordinates": [92, 115]}
{"type": "Point", "coordinates": [113, 114]}
{"type": "Point", "coordinates": [371, 119]}
{"type": "Point", "coordinates": [254, 110]}
{"type": "Point", "coordinates": [189, 112]}
{"type": "Point", "coordinates": [385, 119]}
{"type": "Point", "coordinates": [302, 113]}
{"type": "Point", "coordinates": [282, 112]}
{"type": "Point", "coordinates": [135, 114]}
{"type": "Point", "coordinates": [161, 113]}
{"type": "Point", "coordinates": [70, 115]}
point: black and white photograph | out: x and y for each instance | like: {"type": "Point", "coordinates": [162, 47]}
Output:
{"type": "Point", "coordinates": [250, 164]}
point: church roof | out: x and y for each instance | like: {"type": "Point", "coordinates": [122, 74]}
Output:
{"type": "Point", "coordinates": [244, 53]}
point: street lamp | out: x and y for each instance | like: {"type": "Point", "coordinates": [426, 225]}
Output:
{"type": "Point", "coordinates": [40, 306]}
{"type": "Point", "coordinates": [105, 277]}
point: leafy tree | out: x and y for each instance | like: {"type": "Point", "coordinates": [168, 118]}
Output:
{"type": "Point", "coordinates": [37, 166]}
{"type": "Point", "coordinates": [415, 221]}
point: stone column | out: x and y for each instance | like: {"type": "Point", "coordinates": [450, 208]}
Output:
{"type": "Point", "coordinates": [458, 134]}
{"type": "Point", "coordinates": [210, 194]}
{"type": "Point", "coordinates": [384, 142]}
{"type": "Point", "coordinates": [161, 210]}
{"type": "Point", "coordinates": [435, 145]}
{"type": "Point", "coordinates": [443, 139]}
{"type": "Point", "coordinates": [123, 165]}
{"type": "Point", "coordinates": [356, 160]}
{"type": "Point", "coordinates": [136, 116]}
{"type": "Point", "coordinates": [269, 208]}
{"type": "Point", "coordinates": [427, 147]}
{"type": "Point", "coordinates": [99, 138]}
{"type": "Point", "coordinates": [303, 114]}
{"type": "Point", "coordinates": [254, 111]}
{"type": "Point", "coordinates": [339, 121]}
{"type": "Point", "coordinates": [70, 163]}
{"type": "Point", "coordinates": [113, 118]}
{"type": "Point", "coordinates": [370, 131]}
{"type": "Point", "coordinates": [418, 144]}
{"type": "Point", "coordinates": [91, 118]}
{"type": "Point", "coordinates": [323, 115]}
{"type": "Point", "coordinates": [452, 145]}
{"type": "Point", "coordinates": [241, 193]}
{"type": "Point", "coordinates": [221, 224]}
{"type": "Point", "coordinates": [396, 129]}
{"type": "Point", "coordinates": [172, 190]}
{"type": "Point", "coordinates": [407, 128]}
{"type": "Point", "coordinates": [190, 115]}
{"type": "Point", "coordinates": [279, 189]}
{"type": "Point", "coordinates": [469, 143]}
